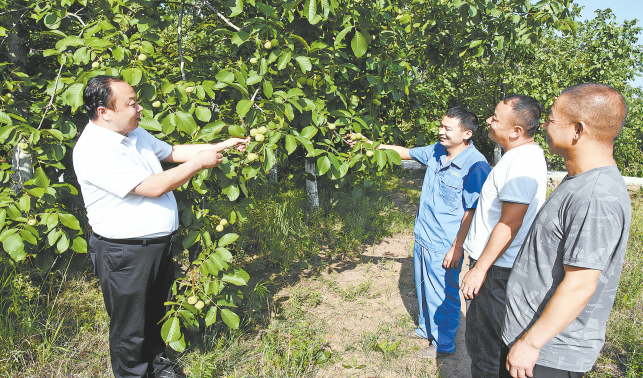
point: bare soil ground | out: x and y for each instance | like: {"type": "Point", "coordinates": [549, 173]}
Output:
{"type": "Point", "coordinates": [372, 301]}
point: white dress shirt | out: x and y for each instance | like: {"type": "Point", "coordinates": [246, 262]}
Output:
{"type": "Point", "coordinates": [108, 166]}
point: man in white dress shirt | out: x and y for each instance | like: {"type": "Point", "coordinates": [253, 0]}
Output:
{"type": "Point", "coordinates": [133, 215]}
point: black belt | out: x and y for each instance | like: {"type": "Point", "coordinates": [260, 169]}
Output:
{"type": "Point", "coordinates": [138, 241]}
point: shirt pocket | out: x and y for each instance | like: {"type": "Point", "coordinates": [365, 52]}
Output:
{"type": "Point", "coordinates": [450, 190]}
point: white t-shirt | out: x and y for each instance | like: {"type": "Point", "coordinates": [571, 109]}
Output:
{"type": "Point", "coordinates": [520, 177]}
{"type": "Point", "coordinates": [108, 166]}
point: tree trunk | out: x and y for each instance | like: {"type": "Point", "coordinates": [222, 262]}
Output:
{"type": "Point", "coordinates": [497, 154]}
{"type": "Point", "coordinates": [272, 174]}
{"type": "Point", "coordinates": [497, 151]}
{"type": "Point", "coordinates": [21, 165]}
{"type": "Point", "coordinates": [311, 185]}
{"type": "Point", "coordinates": [17, 50]}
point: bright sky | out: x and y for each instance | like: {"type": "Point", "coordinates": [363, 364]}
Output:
{"type": "Point", "coordinates": [622, 9]}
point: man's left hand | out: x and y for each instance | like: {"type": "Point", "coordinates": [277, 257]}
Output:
{"type": "Point", "coordinates": [521, 359]}
{"type": "Point", "coordinates": [452, 258]}
{"type": "Point", "coordinates": [472, 282]}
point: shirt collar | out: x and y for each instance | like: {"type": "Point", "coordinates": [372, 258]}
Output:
{"type": "Point", "coordinates": [459, 160]}
{"type": "Point", "coordinates": [105, 135]}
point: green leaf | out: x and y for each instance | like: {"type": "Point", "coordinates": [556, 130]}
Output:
{"type": "Point", "coordinates": [98, 44]}
{"type": "Point", "coordinates": [63, 243]}
{"type": "Point", "coordinates": [150, 124]}
{"type": "Point", "coordinates": [237, 8]}
{"type": "Point", "coordinates": [267, 89]}
{"type": "Point", "coordinates": [380, 157]}
{"type": "Point", "coordinates": [185, 122]}
{"type": "Point", "coordinates": [394, 157]}
{"type": "Point", "coordinates": [291, 143]}
{"type": "Point", "coordinates": [203, 114]}
{"type": "Point", "coordinates": [237, 131]}
{"type": "Point", "coordinates": [243, 107]}
{"type": "Point", "coordinates": [232, 192]}
{"type": "Point", "coordinates": [213, 264]}
{"type": "Point", "coordinates": [118, 53]}
{"type": "Point", "coordinates": [226, 76]}
{"type": "Point", "coordinates": [238, 278]}
{"type": "Point", "coordinates": [252, 80]}
{"type": "Point", "coordinates": [341, 35]}
{"type": "Point", "coordinates": [208, 132]}
{"type": "Point", "coordinates": [240, 37]}
{"type": "Point", "coordinates": [304, 63]}
{"type": "Point", "coordinates": [227, 239]}
{"type": "Point", "coordinates": [79, 55]}
{"type": "Point", "coordinates": [171, 330]}
{"type": "Point", "coordinates": [211, 316]}
{"type": "Point", "coordinates": [79, 245]}
{"type": "Point", "coordinates": [284, 59]}
{"type": "Point", "coordinates": [69, 220]}
{"type": "Point", "coordinates": [40, 178]}
{"type": "Point", "coordinates": [269, 159]}
{"type": "Point", "coordinates": [73, 96]}
{"type": "Point", "coordinates": [224, 254]}
{"type": "Point", "coordinates": [178, 345]}
{"type": "Point", "coordinates": [230, 318]}
{"type": "Point", "coordinates": [28, 236]}
{"type": "Point", "coordinates": [15, 247]}
{"type": "Point", "coordinates": [4, 118]}
{"type": "Point", "coordinates": [308, 132]}
{"type": "Point", "coordinates": [191, 238]}
{"type": "Point", "coordinates": [132, 76]}
{"type": "Point", "coordinates": [323, 165]}
{"type": "Point", "coordinates": [358, 44]}
{"type": "Point", "coordinates": [6, 233]}
{"type": "Point", "coordinates": [71, 40]}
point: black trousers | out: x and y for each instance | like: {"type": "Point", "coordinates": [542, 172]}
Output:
{"type": "Point", "coordinates": [539, 370]}
{"type": "Point", "coordinates": [485, 317]}
{"type": "Point", "coordinates": [136, 281]}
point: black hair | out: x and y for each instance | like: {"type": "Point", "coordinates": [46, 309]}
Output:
{"type": "Point", "coordinates": [526, 112]}
{"type": "Point", "coordinates": [466, 118]}
{"type": "Point", "coordinates": [98, 92]}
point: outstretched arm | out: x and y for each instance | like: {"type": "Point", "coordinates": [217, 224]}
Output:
{"type": "Point", "coordinates": [402, 151]}
{"type": "Point", "coordinates": [570, 298]}
{"type": "Point", "coordinates": [166, 181]}
{"type": "Point", "coordinates": [184, 152]}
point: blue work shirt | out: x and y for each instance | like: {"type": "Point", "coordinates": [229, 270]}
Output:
{"type": "Point", "coordinates": [448, 190]}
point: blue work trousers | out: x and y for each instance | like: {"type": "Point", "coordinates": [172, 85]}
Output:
{"type": "Point", "coordinates": [438, 298]}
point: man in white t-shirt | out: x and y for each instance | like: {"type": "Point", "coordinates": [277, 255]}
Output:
{"type": "Point", "coordinates": [510, 198]}
{"type": "Point", "coordinates": [133, 214]}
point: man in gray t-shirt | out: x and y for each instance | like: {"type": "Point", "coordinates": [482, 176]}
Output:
{"type": "Point", "coordinates": [564, 280]}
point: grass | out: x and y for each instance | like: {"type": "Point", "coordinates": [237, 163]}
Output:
{"type": "Point", "coordinates": [315, 307]}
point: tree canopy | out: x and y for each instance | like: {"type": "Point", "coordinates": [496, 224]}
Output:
{"type": "Point", "coordinates": [309, 71]}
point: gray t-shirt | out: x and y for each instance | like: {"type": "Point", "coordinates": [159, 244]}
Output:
{"type": "Point", "coordinates": [585, 223]}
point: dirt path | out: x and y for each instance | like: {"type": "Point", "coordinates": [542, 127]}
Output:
{"type": "Point", "coordinates": [371, 301]}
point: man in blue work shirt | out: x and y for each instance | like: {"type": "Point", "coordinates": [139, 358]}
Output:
{"type": "Point", "coordinates": [454, 177]}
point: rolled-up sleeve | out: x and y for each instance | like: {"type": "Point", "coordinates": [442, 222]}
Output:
{"type": "Point", "coordinates": [422, 154]}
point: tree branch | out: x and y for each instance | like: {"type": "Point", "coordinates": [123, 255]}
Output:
{"type": "Point", "coordinates": [53, 94]}
{"type": "Point", "coordinates": [221, 16]}
{"type": "Point", "coordinates": [179, 40]}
